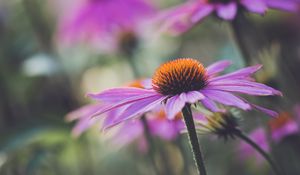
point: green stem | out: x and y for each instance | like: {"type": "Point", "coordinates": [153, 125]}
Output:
{"type": "Point", "coordinates": [244, 137]}
{"type": "Point", "coordinates": [190, 125]}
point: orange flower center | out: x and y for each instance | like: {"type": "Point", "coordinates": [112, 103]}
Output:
{"type": "Point", "coordinates": [178, 76]}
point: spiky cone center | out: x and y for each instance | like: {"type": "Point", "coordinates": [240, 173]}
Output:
{"type": "Point", "coordinates": [178, 76]}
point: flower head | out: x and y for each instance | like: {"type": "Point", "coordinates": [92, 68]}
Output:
{"type": "Point", "coordinates": [105, 24]}
{"type": "Point", "coordinates": [224, 125]}
{"type": "Point", "coordinates": [186, 81]}
{"type": "Point", "coordinates": [283, 126]}
{"type": "Point", "coordinates": [183, 17]}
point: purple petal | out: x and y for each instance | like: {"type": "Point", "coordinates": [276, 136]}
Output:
{"type": "Point", "coordinates": [112, 117]}
{"type": "Point", "coordinates": [118, 94]}
{"type": "Point", "coordinates": [124, 102]}
{"type": "Point", "coordinates": [201, 12]}
{"type": "Point", "coordinates": [211, 105]}
{"type": "Point", "coordinates": [244, 83]}
{"type": "Point", "coordinates": [177, 20]}
{"type": "Point", "coordinates": [83, 112]}
{"type": "Point", "coordinates": [227, 11]}
{"type": "Point", "coordinates": [138, 108]}
{"type": "Point", "coordinates": [173, 106]}
{"type": "Point", "coordinates": [192, 97]}
{"type": "Point", "coordinates": [256, 6]}
{"type": "Point", "coordinates": [165, 129]}
{"type": "Point", "coordinates": [226, 99]}
{"type": "Point", "coordinates": [243, 90]}
{"type": "Point", "coordinates": [265, 110]}
{"type": "Point", "coordinates": [239, 74]}
{"type": "Point", "coordinates": [127, 133]}
{"type": "Point", "coordinates": [217, 67]}
{"type": "Point", "coordinates": [288, 129]}
{"type": "Point", "coordinates": [288, 5]}
{"type": "Point", "coordinates": [82, 125]}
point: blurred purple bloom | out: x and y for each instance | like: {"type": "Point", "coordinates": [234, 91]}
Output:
{"type": "Point", "coordinates": [186, 81]}
{"type": "Point", "coordinates": [283, 126]}
{"type": "Point", "coordinates": [247, 151]}
{"type": "Point", "coordinates": [103, 22]}
{"type": "Point", "coordinates": [181, 18]}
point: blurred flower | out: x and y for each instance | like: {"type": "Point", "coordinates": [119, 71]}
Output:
{"type": "Point", "coordinates": [186, 81]}
{"type": "Point", "coordinates": [283, 126]}
{"type": "Point", "coordinates": [104, 23]}
{"type": "Point", "coordinates": [159, 126]}
{"type": "Point", "coordinates": [247, 151]}
{"type": "Point", "coordinates": [183, 17]}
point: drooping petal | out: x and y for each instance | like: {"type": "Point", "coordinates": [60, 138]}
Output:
{"type": "Point", "coordinates": [217, 67]}
{"type": "Point", "coordinates": [288, 5]}
{"type": "Point", "coordinates": [173, 106]}
{"type": "Point", "coordinates": [256, 6]}
{"type": "Point", "coordinates": [82, 125]}
{"type": "Point", "coordinates": [177, 20]}
{"type": "Point", "coordinates": [112, 117]}
{"type": "Point", "coordinates": [244, 83]}
{"type": "Point", "coordinates": [84, 111]}
{"type": "Point", "coordinates": [201, 12]}
{"type": "Point", "coordinates": [243, 90]}
{"type": "Point", "coordinates": [265, 110]}
{"type": "Point", "coordinates": [227, 11]}
{"type": "Point", "coordinates": [211, 105]}
{"type": "Point", "coordinates": [122, 103]}
{"type": "Point", "coordinates": [226, 98]}
{"type": "Point", "coordinates": [239, 74]}
{"type": "Point", "coordinates": [138, 108]}
{"type": "Point", "coordinates": [118, 94]}
{"type": "Point", "coordinates": [193, 96]}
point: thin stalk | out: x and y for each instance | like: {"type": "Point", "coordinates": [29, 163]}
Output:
{"type": "Point", "coordinates": [247, 38]}
{"type": "Point", "coordinates": [244, 137]}
{"type": "Point", "coordinates": [194, 142]}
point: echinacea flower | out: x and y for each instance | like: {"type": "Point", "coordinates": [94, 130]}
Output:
{"type": "Point", "coordinates": [282, 126]}
{"type": "Point", "coordinates": [181, 18]}
{"type": "Point", "coordinates": [104, 23]}
{"type": "Point", "coordinates": [159, 125]}
{"type": "Point", "coordinates": [186, 81]}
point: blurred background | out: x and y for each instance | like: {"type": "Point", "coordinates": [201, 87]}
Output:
{"type": "Point", "coordinates": [44, 75]}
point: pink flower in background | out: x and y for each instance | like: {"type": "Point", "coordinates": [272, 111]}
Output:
{"type": "Point", "coordinates": [283, 126]}
{"type": "Point", "coordinates": [103, 23]}
{"type": "Point", "coordinates": [181, 18]}
{"type": "Point", "coordinates": [186, 81]}
{"type": "Point", "coordinates": [247, 151]}
{"type": "Point", "coordinates": [159, 126]}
